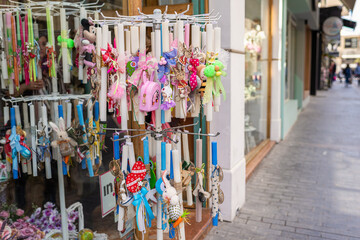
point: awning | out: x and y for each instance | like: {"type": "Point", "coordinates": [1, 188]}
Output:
{"type": "Point", "coordinates": [349, 3]}
{"type": "Point", "coordinates": [351, 56]}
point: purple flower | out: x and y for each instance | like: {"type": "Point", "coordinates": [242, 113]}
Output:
{"type": "Point", "coordinates": [73, 216]}
{"type": "Point", "coordinates": [49, 205]}
{"type": "Point", "coordinates": [71, 227]}
{"type": "Point", "coordinates": [4, 214]}
{"type": "Point", "coordinates": [17, 225]}
{"type": "Point", "coordinates": [37, 212]}
{"type": "Point", "coordinates": [47, 213]}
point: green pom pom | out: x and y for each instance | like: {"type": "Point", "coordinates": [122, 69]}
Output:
{"type": "Point", "coordinates": [70, 43]}
{"type": "Point", "coordinates": [209, 71]}
{"type": "Point", "coordinates": [59, 38]}
{"type": "Point", "coordinates": [219, 64]}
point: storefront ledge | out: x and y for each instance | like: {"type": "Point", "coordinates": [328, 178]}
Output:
{"type": "Point", "coordinates": [195, 231]}
{"type": "Point", "coordinates": [254, 158]}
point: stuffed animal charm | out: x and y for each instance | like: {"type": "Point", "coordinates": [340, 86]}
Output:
{"type": "Point", "coordinates": [168, 102]}
{"type": "Point", "coordinates": [64, 142]}
{"type": "Point", "coordinates": [89, 37]}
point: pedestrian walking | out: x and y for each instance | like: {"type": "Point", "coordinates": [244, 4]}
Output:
{"type": "Point", "coordinates": [347, 73]}
{"type": "Point", "coordinates": [357, 73]}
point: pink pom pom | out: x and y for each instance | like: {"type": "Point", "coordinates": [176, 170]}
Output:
{"type": "Point", "coordinates": [116, 91]}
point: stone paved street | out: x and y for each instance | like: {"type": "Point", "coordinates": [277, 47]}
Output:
{"type": "Point", "coordinates": [308, 186]}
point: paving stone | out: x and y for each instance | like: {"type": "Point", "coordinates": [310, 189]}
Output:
{"type": "Point", "coordinates": [305, 188]}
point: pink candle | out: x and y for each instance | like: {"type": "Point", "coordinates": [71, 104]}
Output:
{"type": "Point", "coordinates": [187, 34]}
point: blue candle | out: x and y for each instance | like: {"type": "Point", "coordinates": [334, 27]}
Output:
{"type": "Point", "coordinates": [96, 111]}
{"type": "Point", "coordinates": [61, 111]}
{"type": "Point", "coordinates": [15, 169]}
{"type": "Point", "coordinates": [116, 147]}
{"type": "Point", "coordinates": [163, 156]}
{"type": "Point", "coordinates": [61, 115]}
{"type": "Point", "coordinates": [171, 166]}
{"type": "Point", "coordinates": [146, 151]}
{"type": "Point", "coordinates": [214, 153]}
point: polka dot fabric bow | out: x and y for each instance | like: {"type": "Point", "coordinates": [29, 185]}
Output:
{"type": "Point", "coordinates": [138, 173]}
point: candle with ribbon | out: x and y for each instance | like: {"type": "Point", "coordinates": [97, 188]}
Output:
{"type": "Point", "coordinates": [64, 47]}
{"type": "Point", "coordinates": [50, 48]}
{"type": "Point", "coordinates": [26, 50]}
{"type": "Point", "coordinates": [185, 141]}
{"type": "Point", "coordinates": [85, 140]}
{"type": "Point", "coordinates": [32, 55]}
{"type": "Point", "coordinates": [208, 98]}
{"type": "Point", "coordinates": [4, 72]}
{"type": "Point", "coordinates": [61, 115]}
{"type": "Point", "coordinates": [135, 185]}
{"type": "Point", "coordinates": [97, 131]}
{"type": "Point", "coordinates": [104, 80]}
{"type": "Point", "coordinates": [7, 147]}
{"type": "Point", "coordinates": [18, 49]}
{"type": "Point", "coordinates": [10, 52]}
{"type": "Point", "coordinates": [15, 52]}
{"type": "Point", "coordinates": [198, 165]}
{"type": "Point", "coordinates": [178, 187]}
{"type": "Point", "coordinates": [14, 141]}
{"type": "Point", "coordinates": [214, 185]}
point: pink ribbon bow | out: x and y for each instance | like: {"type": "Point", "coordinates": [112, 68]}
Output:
{"type": "Point", "coordinates": [192, 67]}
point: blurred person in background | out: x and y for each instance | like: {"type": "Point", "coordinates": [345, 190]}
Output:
{"type": "Point", "coordinates": [347, 73]}
{"type": "Point", "coordinates": [357, 73]}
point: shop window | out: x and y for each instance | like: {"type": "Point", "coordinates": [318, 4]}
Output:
{"type": "Point", "coordinates": [351, 42]}
{"type": "Point", "coordinates": [256, 87]}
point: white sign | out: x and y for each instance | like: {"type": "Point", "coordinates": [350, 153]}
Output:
{"type": "Point", "coordinates": [332, 26]}
{"type": "Point", "coordinates": [107, 193]}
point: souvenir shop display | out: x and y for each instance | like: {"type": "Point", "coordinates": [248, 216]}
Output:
{"type": "Point", "coordinates": [155, 87]}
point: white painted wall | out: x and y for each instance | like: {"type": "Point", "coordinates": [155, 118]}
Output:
{"type": "Point", "coordinates": [230, 120]}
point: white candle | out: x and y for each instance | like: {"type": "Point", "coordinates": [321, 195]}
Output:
{"type": "Point", "coordinates": [33, 139]}
{"type": "Point", "coordinates": [103, 88]}
{"type": "Point", "coordinates": [68, 114]}
{"type": "Point", "coordinates": [180, 31]}
{"type": "Point", "coordinates": [110, 39]}
{"type": "Point", "coordinates": [168, 157]}
{"type": "Point", "coordinates": [171, 39]}
{"type": "Point", "coordinates": [175, 28]}
{"type": "Point", "coordinates": [195, 36]}
{"type": "Point", "coordinates": [131, 154]}
{"type": "Point", "coordinates": [125, 156]}
{"type": "Point", "coordinates": [36, 30]}
{"type": "Point", "coordinates": [177, 179]}
{"type": "Point", "coordinates": [134, 31]}
{"type": "Point", "coordinates": [76, 22]}
{"type": "Point", "coordinates": [128, 41]}
{"type": "Point", "coordinates": [89, 109]}
{"type": "Point", "coordinates": [64, 47]}
{"type": "Point", "coordinates": [17, 115]}
{"type": "Point", "coordinates": [187, 159]}
{"type": "Point", "coordinates": [142, 37]}
{"type": "Point", "coordinates": [6, 115]}
{"type": "Point", "coordinates": [25, 115]}
{"type": "Point", "coordinates": [203, 39]}
{"type": "Point", "coordinates": [98, 46]}
{"type": "Point", "coordinates": [83, 13]}
{"type": "Point", "coordinates": [47, 158]}
{"type": "Point", "coordinates": [6, 119]}
{"type": "Point", "coordinates": [165, 36]}
{"type": "Point", "coordinates": [209, 48]}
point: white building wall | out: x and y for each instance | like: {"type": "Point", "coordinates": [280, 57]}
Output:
{"type": "Point", "coordinates": [230, 120]}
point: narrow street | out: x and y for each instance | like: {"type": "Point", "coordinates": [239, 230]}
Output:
{"type": "Point", "coordinates": [308, 186]}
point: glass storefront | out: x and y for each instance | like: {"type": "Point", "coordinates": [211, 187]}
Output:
{"type": "Point", "coordinates": [256, 81]}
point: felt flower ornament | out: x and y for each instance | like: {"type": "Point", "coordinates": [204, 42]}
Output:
{"type": "Point", "coordinates": [166, 62]}
{"type": "Point", "coordinates": [213, 73]}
